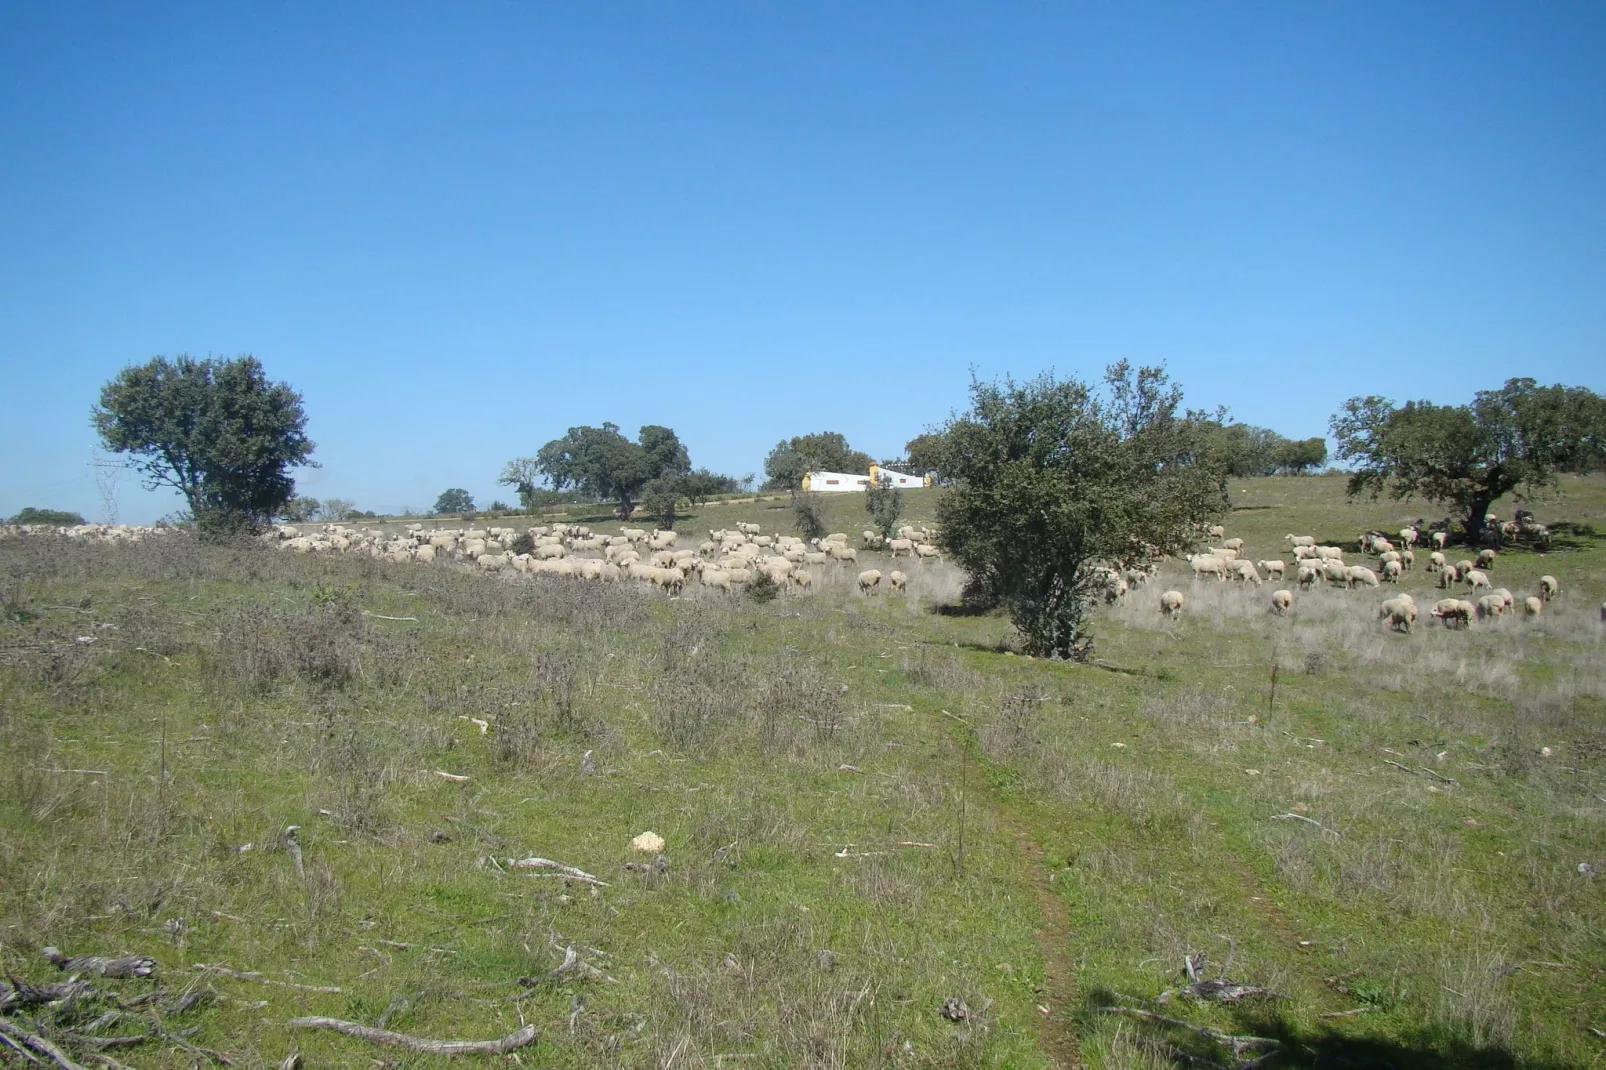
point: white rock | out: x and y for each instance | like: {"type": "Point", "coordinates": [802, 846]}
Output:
{"type": "Point", "coordinates": [647, 843]}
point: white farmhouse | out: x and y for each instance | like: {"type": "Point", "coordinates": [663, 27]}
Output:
{"type": "Point", "coordinates": [838, 482]}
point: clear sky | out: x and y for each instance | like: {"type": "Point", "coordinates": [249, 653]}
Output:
{"type": "Point", "coordinates": [460, 229]}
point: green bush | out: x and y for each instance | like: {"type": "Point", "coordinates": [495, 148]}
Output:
{"type": "Point", "coordinates": [763, 588]}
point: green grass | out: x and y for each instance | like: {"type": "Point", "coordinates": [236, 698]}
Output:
{"type": "Point", "coordinates": [1089, 825]}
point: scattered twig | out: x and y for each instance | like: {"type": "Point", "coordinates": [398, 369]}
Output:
{"type": "Point", "coordinates": [81, 772]}
{"type": "Point", "coordinates": [453, 777]}
{"type": "Point", "coordinates": [252, 975]}
{"type": "Point", "coordinates": [292, 843]}
{"type": "Point", "coordinates": [1424, 770]}
{"type": "Point", "coordinates": [512, 1041]}
{"type": "Point", "coordinates": [1347, 1014]}
{"type": "Point", "coordinates": [381, 616]}
{"type": "Point", "coordinates": [1290, 816]}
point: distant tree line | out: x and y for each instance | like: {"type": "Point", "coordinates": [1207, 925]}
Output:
{"type": "Point", "coordinates": [60, 518]}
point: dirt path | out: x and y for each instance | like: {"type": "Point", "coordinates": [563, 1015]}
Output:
{"type": "Point", "coordinates": [1055, 1033]}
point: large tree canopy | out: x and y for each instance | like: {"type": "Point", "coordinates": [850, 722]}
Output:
{"type": "Point", "coordinates": [601, 462]}
{"type": "Point", "coordinates": [1052, 479]}
{"type": "Point", "coordinates": [1514, 439]}
{"type": "Point", "coordinates": [827, 451]}
{"type": "Point", "coordinates": [217, 431]}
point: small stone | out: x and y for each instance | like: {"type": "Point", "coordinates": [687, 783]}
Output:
{"type": "Point", "coordinates": [1585, 868]}
{"type": "Point", "coordinates": [826, 959]}
{"type": "Point", "coordinates": [954, 1009]}
{"type": "Point", "coordinates": [1252, 772]}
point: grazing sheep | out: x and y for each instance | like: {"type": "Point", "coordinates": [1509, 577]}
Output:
{"type": "Point", "coordinates": [1235, 545]}
{"type": "Point", "coordinates": [1532, 606]}
{"type": "Point", "coordinates": [1280, 601]}
{"type": "Point", "coordinates": [899, 581]}
{"type": "Point", "coordinates": [1335, 571]}
{"type": "Point", "coordinates": [925, 551]}
{"type": "Point", "coordinates": [1447, 577]}
{"type": "Point", "coordinates": [1388, 555]}
{"type": "Point", "coordinates": [1216, 531]}
{"type": "Point", "coordinates": [802, 580]}
{"type": "Point", "coordinates": [1486, 558]}
{"type": "Point", "coordinates": [1206, 564]}
{"type": "Point", "coordinates": [906, 545]}
{"type": "Point", "coordinates": [1330, 553]}
{"type": "Point", "coordinates": [842, 553]}
{"type": "Point", "coordinates": [1408, 560]}
{"type": "Point", "coordinates": [1399, 612]}
{"type": "Point", "coordinates": [1453, 612]}
{"type": "Point", "coordinates": [1244, 572]}
{"type": "Point", "coordinates": [1309, 577]}
{"type": "Point", "coordinates": [1491, 605]}
{"type": "Point", "coordinates": [1391, 571]}
{"type": "Point", "coordinates": [1171, 604]}
{"type": "Point", "coordinates": [1305, 553]}
{"type": "Point", "coordinates": [1272, 568]}
{"type": "Point", "coordinates": [1226, 553]}
{"type": "Point", "coordinates": [1462, 568]}
{"type": "Point", "coordinates": [1360, 574]}
{"type": "Point", "coordinates": [1408, 536]}
{"type": "Point", "coordinates": [1548, 587]}
{"type": "Point", "coordinates": [1441, 539]}
{"type": "Point", "coordinates": [1475, 579]}
{"type": "Point", "coordinates": [1435, 562]}
{"type": "Point", "coordinates": [869, 580]}
{"type": "Point", "coordinates": [1300, 540]}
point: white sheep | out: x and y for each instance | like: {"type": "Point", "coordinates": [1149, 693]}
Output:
{"type": "Point", "coordinates": [843, 553]}
{"type": "Point", "coordinates": [1491, 605]}
{"type": "Point", "coordinates": [1476, 579]}
{"type": "Point", "coordinates": [906, 545]}
{"type": "Point", "coordinates": [1360, 574]}
{"type": "Point", "coordinates": [1171, 603]}
{"type": "Point", "coordinates": [1244, 572]}
{"type": "Point", "coordinates": [1206, 564]}
{"type": "Point", "coordinates": [1453, 612]}
{"type": "Point", "coordinates": [1280, 601]}
{"type": "Point", "coordinates": [1440, 540]}
{"type": "Point", "coordinates": [1408, 560]}
{"type": "Point", "coordinates": [869, 580]}
{"type": "Point", "coordinates": [1391, 571]}
{"type": "Point", "coordinates": [1548, 587]}
{"type": "Point", "coordinates": [1235, 545]}
{"type": "Point", "coordinates": [1336, 571]}
{"type": "Point", "coordinates": [898, 581]}
{"type": "Point", "coordinates": [802, 580]}
{"type": "Point", "coordinates": [926, 551]}
{"type": "Point", "coordinates": [1400, 613]}
{"type": "Point", "coordinates": [1408, 536]}
{"type": "Point", "coordinates": [1271, 568]}
{"type": "Point", "coordinates": [1216, 531]}
{"type": "Point", "coordinates": [1330, 553]}
{"type": "Point", "coordinates": [1309, 577]}
{"type": "Point", "coordinates": [1300, 540]}
{"type": "Point", "coordinates": [1486, 559]}
{"type": "Point", "coordinates": [1533, 606]}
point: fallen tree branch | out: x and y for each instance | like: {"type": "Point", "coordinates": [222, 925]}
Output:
{"type": "Point", "coordinates": [1291, 816]}
{"type": "Point", "coordinates": [39, 1044]}
{"type": "Point", "coordinates": [1347, 1014]}
{"type": "Point", "coordinates": [548, 864]}
{"type": "Point", "coordinates": [381, 616]}
{"type": "Point", "coordinates": [122, 968]}
{"type": "Point", "coordinates": [512, 1041]}
{"type": "Point", "coordinates": [1236, 1043]}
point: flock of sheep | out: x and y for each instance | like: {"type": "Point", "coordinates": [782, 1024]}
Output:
{"type": "Point", "coordinates": [1315, 565]}
{"type": "Point", "coordinates": [726, 560]}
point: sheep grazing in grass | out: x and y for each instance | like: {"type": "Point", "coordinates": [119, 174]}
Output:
{"type": "Point", "coordinates": [869, 580]}
{"type": "Point", "coordinates": [1440, 540]}
{"type": "Point", "coordinates": [1272, 568]}
{"type": "Point", "coordinates": [1300, 540]}
{"type": "Point", "coordinates": [1400, 613]}
{"type": "Point", "coordinates": [926, 552]}
{"type": "Point", "coordinates": [1391, 571]}
{"type": "Point", "coordinates": [1235, 545]}
{"type": "Point", "coordinates": [1330, 553]}
{"type": "Point", "coordinates": [1453, 612]}
{"type": "Point", "coordinates": [1475, 579]}
{"type": "Point", "coordinates": [1216, 531]}
{"type": "Point", "coordinates": [1280, 601]}
{"type": "Point", "coordinates": [1462, 568]}
{"type": "Point", "coordinates": [842, 553]}
{"type": "Point", "coordinates": [1244, 572]}
{"type": "Point", "coordinates": [802, 580]}
{"type": "Point", "coordinates": [898, 581]}
{"type": "Point", "coordinates": [1548, 587]}
{"type": "Point", "coordinates": [1408, 560]}
{"type": "Point", "coordinates": [1335, 571]}
{"type": "Point", "coordinates": [1532, 606]}
{"type": "Point", "coordinates": [1435, 562]}
{"type": "Point", "coordinates": [1408, 536]}
{"type": "Point", "coordinates": [906, 545]}
{"type": "Point", "coordinates": [1491, 605]}
{"type": "Point", "coordinates": [1486, 558]}
{"type": "Point", "coordinates": [1309, 577]}
{"type": "Point", "coordinates": [1360, 574]}
{"type": "Point", "coordinates": [1207, 565]}
{"type": "Point", "coordinates": [1171, 604]}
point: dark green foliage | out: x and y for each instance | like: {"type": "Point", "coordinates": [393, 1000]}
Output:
{"type": "Point", "coordinates": [300, 510]}
{"type": "Point", "coordinates": [702, 484]}
{"type": "Point", "coordinates": [454, 500]}
{"type": "Point", "coordinates": [601, 463]}
{"type": "Point", "coordinates": [1512, 439]}
{"type": "Point", "coordinates": [808, 513]}
{"type": "Point", "coordinates": [884, 502]}
{"type": "Point", "coordinates": [1053, 479]}
{"type": "Point", "coordinates": [661, 497]}
{"type": "Point", "coordinates": [523, 543]}
{"type": "Point", "coordinates": [924, 453]}
{"type": "Point", "coordinates": [214, 430]}
{"type": "Point", "coordinates": [1299, 458]}
{"type": "Point", "coordinates": [793, 458]}
{"type": "Point", "coordinates": [56, 517]}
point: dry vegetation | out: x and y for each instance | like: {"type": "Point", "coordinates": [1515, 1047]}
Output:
{"type": "Point", "coordinates": [872, 812]}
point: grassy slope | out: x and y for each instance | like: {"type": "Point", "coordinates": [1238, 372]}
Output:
{"type": "Point", "coordinates": [1453, 912]}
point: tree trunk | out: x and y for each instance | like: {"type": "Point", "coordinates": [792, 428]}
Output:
{"type": "Point", "coordinates": [1474, 521]}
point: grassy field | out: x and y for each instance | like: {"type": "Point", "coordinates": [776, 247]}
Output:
{"type": "Point", "coordinates": [870, 810]}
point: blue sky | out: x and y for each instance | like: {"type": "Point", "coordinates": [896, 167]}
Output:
{"type": "Point", "coordinates": [461, 229]}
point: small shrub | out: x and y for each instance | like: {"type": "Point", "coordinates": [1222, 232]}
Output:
{"type": "Point", "coordinates": [523, 543]}
{"type": "Point", "coordinates": [763, 588]}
